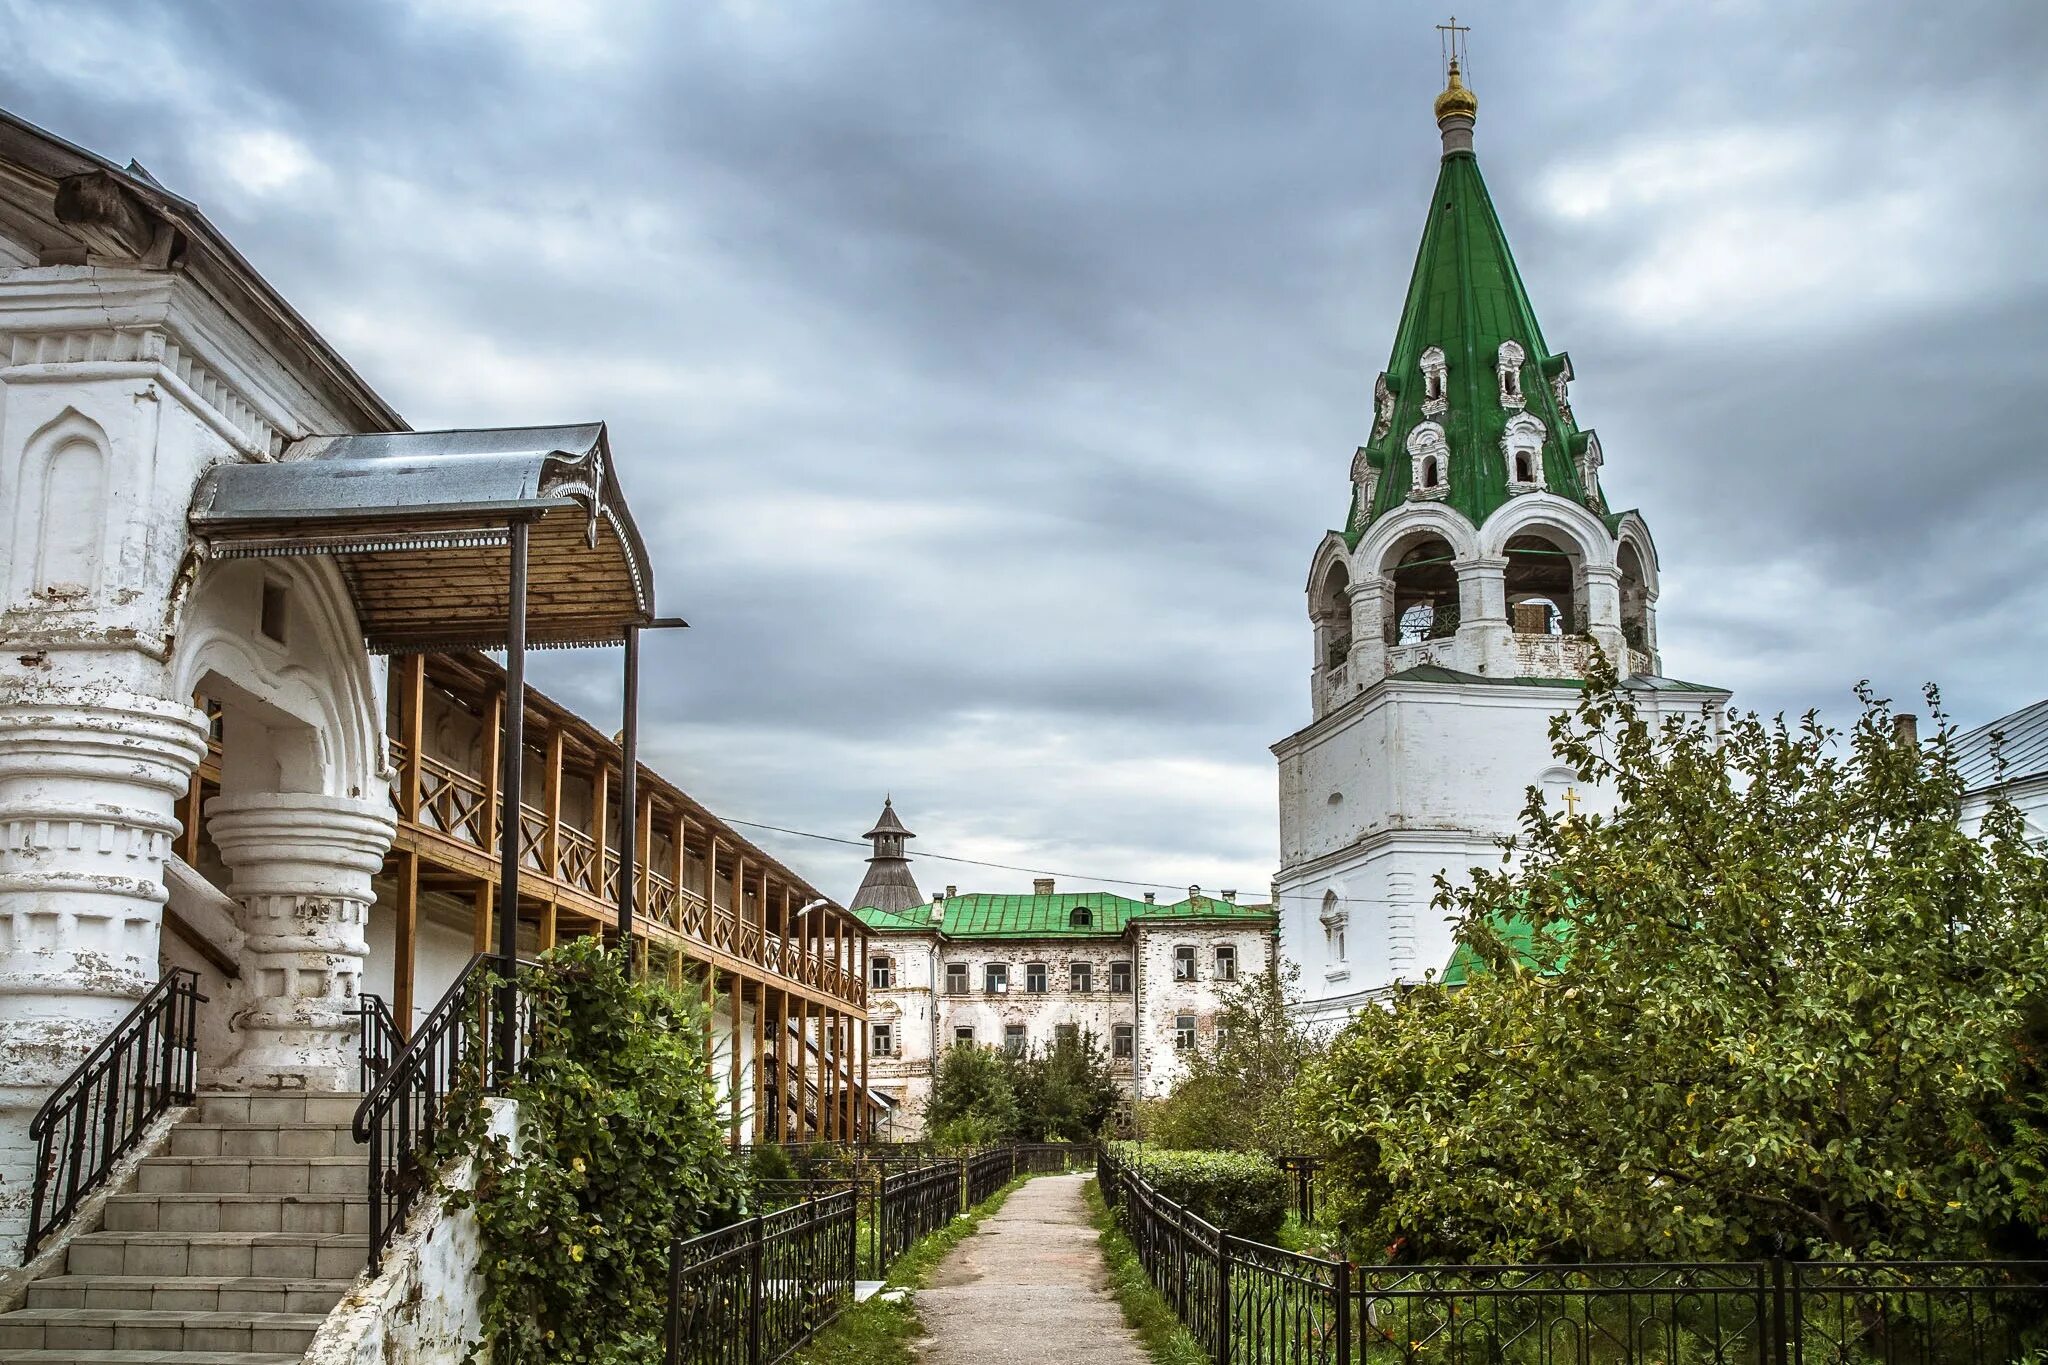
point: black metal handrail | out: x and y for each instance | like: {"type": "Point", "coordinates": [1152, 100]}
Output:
{"type": "Point", "coordinates": [406, 1114]}
{"type": "Point", "coordinates": [753, 1293]}
{"type": "Point", "coordinates": [145, 1065]}
{"type": "Point", "coordinates": [379, 1043]}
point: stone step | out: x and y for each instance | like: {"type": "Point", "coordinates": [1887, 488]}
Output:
{"type": "Point", "coordinates": [73, 1356]}
{"type": "Point", "coordinates": [348, 1212]}
{"type": "Point", "coordinates": [253, 1175]}
{"type": "Point", "coordinates": [326, 1108]}
{"type": "Point", "coordinates": [265, 1139]}
{"type": "Point", "coordinates": [224, 1255]}
{"type": "Point", "coordinates": [188, 1293]}
{"type": "Point", "coordinates": [114, 1329]}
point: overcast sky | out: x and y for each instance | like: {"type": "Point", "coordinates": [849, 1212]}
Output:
{"type": "Point", "coordinates": [983, 374]}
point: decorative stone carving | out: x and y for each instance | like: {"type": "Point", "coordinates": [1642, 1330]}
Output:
{"type": "Point", "coordinates": [1521, 446]}
{"type": "Point", "coordinates": [1429, 455]}
{"type": "Point", "coordinates": [1436, 383]}
{"type": "Point", "coordinates": [1382, 407]}
{"type": "Point", "coordinates": [1590, 461]}
{"type": "Point", "coordinates": [89, 781]}
{"type": "Point", "coordinates": [1508, 370]}
{"type": "Point", "coordinates": [302, 865]}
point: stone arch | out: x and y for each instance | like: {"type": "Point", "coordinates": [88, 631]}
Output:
{"type": "Point", "coordinates": [1548, 514]}
{"type": "Point", "coordinates": [318, 676]}
{"type": "Point", "coordinates": [1521, 448]}
{"type": "Point", "coordinates": [60, 516]}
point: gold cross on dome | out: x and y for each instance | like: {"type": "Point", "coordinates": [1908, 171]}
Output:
{"type": "Point", "coordinates": [1571, 803]}
{"type": "Point", "coordinates": [1449, 41]}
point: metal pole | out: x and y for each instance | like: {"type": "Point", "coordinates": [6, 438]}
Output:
{"type": "Point", "coordinates": [629, 796]}
{"type": "Point", "coordinates": [513, 770]}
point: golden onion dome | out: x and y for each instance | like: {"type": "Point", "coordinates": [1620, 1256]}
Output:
{"type": "Point", "coordinates": [1456, 99]}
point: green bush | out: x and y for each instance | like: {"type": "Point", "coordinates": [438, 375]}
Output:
{"type": "Point", "coordinates": [1244, 1194]}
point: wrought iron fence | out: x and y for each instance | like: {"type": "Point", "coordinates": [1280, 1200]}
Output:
{"type": "Point", "coordinates": [379, 1043]}
{"type": "Point", "coordinates": [913, 1203]}
{"type": "Point", "coordinates": [451, 1063]}
{"type": "Point", "coordinates": [1251, 1304]}
{"type": "Point", "coordinates": [1301, 1180]}
{"type": "Point", "coordinates": [1053, 1158]}
{"type": "Point", "coordinates": [752, 1293]}
{"type": "Point", "coordinates": [145, 1065]}
{"type": "Point", "coordinates": [986, 1172]}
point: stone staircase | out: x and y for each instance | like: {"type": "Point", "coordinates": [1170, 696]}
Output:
{"type": "Point", "coordinates": [230, 1248]}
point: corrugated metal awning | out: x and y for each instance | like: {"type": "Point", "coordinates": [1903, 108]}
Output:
{"type": "Point", "coordinates": [420, 524]}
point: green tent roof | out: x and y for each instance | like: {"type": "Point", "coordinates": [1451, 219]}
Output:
{"type": "Point", "coordinates": [1050, 916]}
{"type": "Point", "coordinates": [1520, 937]}
{"type": "Point", "coordinates": [1466, 298]}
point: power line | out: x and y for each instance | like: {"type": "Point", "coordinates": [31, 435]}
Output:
{"type": "Point", "coordinates": [1012, 867]}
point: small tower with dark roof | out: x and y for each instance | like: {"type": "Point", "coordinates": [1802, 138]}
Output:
{"type": "Point", "coordinates": [888, 884]}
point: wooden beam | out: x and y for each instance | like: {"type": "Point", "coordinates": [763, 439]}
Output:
{"type": "Point", "coordinates": [412, 720]}
{"type": "Point", "coordinates": [482, 897]}
{"type": "Point", "coordinates": [406, 961]}
{"type": "Point", "coordinates": [547, 925]}
{"type": "Point", "coordinates": [760, 1060]}
{"type": "Point", "coordinates": [600, 824]}
{"type": "Point", "coordinates": [824, 1120]}
{"type": "Point", "coordinates": [494, 722]}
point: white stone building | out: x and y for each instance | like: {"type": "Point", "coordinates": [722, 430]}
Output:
{"type": "Point", "coordinates": [1144, 979]}
{"type": "Point", "coordinates": [1479, 573]}
{"type": "Point", "coordinates": [247, 740]}
{"type": "Point", "coordinates": [2007, 760]}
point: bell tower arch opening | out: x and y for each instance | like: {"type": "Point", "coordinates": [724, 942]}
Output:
{"type": "Point", "coordinates": [1424, 602]}
{"type": "Point", "coordinates": [1545, 592]}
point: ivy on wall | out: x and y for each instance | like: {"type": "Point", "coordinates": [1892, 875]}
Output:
{"type": "Point", "coordinates": [621, 1148]}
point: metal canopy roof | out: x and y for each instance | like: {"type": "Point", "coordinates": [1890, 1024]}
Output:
{"type": "Point", "coordinates": [420, 524]}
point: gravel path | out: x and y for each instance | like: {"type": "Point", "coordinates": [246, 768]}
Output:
{"type": "Point", "coordinates": [1028, 1286]}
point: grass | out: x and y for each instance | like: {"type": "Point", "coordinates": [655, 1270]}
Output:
{"type": "Point", "coordinates": [882, 1333]}
{"type": "Point", "coordinates": [1149, 1316]}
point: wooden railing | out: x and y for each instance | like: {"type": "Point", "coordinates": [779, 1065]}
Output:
{"type": "Point", "coordinates": [456, 805]}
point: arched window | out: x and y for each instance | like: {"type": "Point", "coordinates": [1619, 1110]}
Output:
{"type": "Point", "coordinates": [1522, 445]}
{"type": "Point", "coordinates": [1429, 455]}
{"type": "Point", "coordinates": [1508, 366]}
{"type": "Point", "coordinates": [1080, 917]}
{"type": "Point", "coordinates": [1333, 926]}
{"type": "Point", "coordinates": [1542, 586]}
{"type": "Point", "coordinates": [1524, 470]}
{"type": "Point", "coordinates": [1436, 382]}
{"type": "Point", "coordinates": [1424, 602]}
{"type": "Point", "coordinates": [1635, 598]}
{"type": "Point", "coordinates": [1333, 616]}
{"type": "Point", "coordinates": [1429, 472]}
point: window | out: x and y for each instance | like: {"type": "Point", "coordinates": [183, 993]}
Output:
{"type": "Point", "coordinates": [881, 972]}
{"type": "Point", "coordinates": [271, 615]}
{"type": "Point", "coordinates": [1034, 978]}
{"type": "Point", "coordinates": [1429, 472]}
{"type": "Point", "coordinates": [1066, 1035]}
{"type": "Point", "coordinates": [1226, 962]}
{"type": "Point", "coordinates": [1123, 1042]}
{"type": "Point", "coordinates": [1184, 1032]}
{"type": "Point", "coordinates": [1184, 962]}
{"type": "Point", "coordinates": [995, 978]}
{"type": "Point", "coordinates": [1524, 472]}
{"type": "Point", "coordinates": [963, 1033]}
{"type": "Point", "coordinates": [885, 1040]}
{"type": "Point", "coordinates": [1119, 978]}
{"type": "Point", "coordinates": [956, 978]}
{"type": "Point", "coordinates": [1013, 1037]}
{"type": "Point", "coordinates": [1081, 977]}
{"type": "Point", "coordinates": [1080, 917]}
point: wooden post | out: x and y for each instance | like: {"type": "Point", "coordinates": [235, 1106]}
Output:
{"type": "Point", "coordinates": [188, 836]}
{"type": "Point", "coordinates": [412, 720]}
{"type": "Point", "coordinates": [760, 1059]}
{"type": "Point", "coordinates": [600, 826]}
{"type": "Point", "coordinates": [407, 945]}
{"type": "Point", "coordinates": [480, 941]}
{"type": "Point", "coordinates": [551, 850]}
{"type": "Point", "coordinates": [643, 889]}
{"type": "Point", "coordinates": [732, 1073]}
{"type": "Point", "coordinates": [547, 925]}
{"type": "Point", "coordinates": [682, 843]}
{"type": "Point", "coordinates": [494, 720]}
{"type": "Point", "coordinates": [824, 1107]}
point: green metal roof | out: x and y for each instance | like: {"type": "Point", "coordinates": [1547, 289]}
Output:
{"type": "Point", "coordinates": [1051, 916]}
{"type": "Point", "coordinates": [1518, 935]}
{"type": "Point", "coordinates": [1466, 297]}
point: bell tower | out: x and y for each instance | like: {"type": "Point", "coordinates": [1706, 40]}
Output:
{"type": "Point", "coordinates": [1478, 574]}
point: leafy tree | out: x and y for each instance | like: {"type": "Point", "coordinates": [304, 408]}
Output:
{"type": "Point", "coordinates": [1065, 1093]}
{"type": "Point", "coordinates": [974, 1097]}
{"type": "Point", "coordinates": [1238, 1093]}
{"type": "Point", "coordinates": [1778, 1001]}
{"type": "Point", "coordinates": [981, 1095]}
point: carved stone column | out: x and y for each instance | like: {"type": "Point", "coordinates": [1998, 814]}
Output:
{"type": "Point", "coordinates": [1368, 632]}
{"type": "Point", "coordinates": [302, 865]}
{"type": "Point", "coordinates": [1603, 612]}
{"type": "Point", "coordinates": [89, 782]}
{"type": "Point", "coordinates": [1485, 637]}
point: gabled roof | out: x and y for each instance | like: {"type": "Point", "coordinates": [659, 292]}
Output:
{"type": "Point", "coordinates": [1052, 916]}
{"type": "Point", "coordinates": [2020, 740]}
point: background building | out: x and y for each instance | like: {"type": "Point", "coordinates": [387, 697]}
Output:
{"type": "Point", "coordinates": [1478, 575]}
{"type": "Point", "coordinates": [1145, 979]}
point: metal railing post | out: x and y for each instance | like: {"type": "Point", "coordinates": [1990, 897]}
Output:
{"type": "Point", "coordinates": [754, 1293]}
{"type": "Point", "coordinates": [1222, 1297]}
{"type": "Point", "coordinates": [1780, 1327]}
{"type": "Point", "coordinates": [1344, 1284]}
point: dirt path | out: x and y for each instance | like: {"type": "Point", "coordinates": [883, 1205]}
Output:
{"type": "Point", "coordinates": [1028, 1286]}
